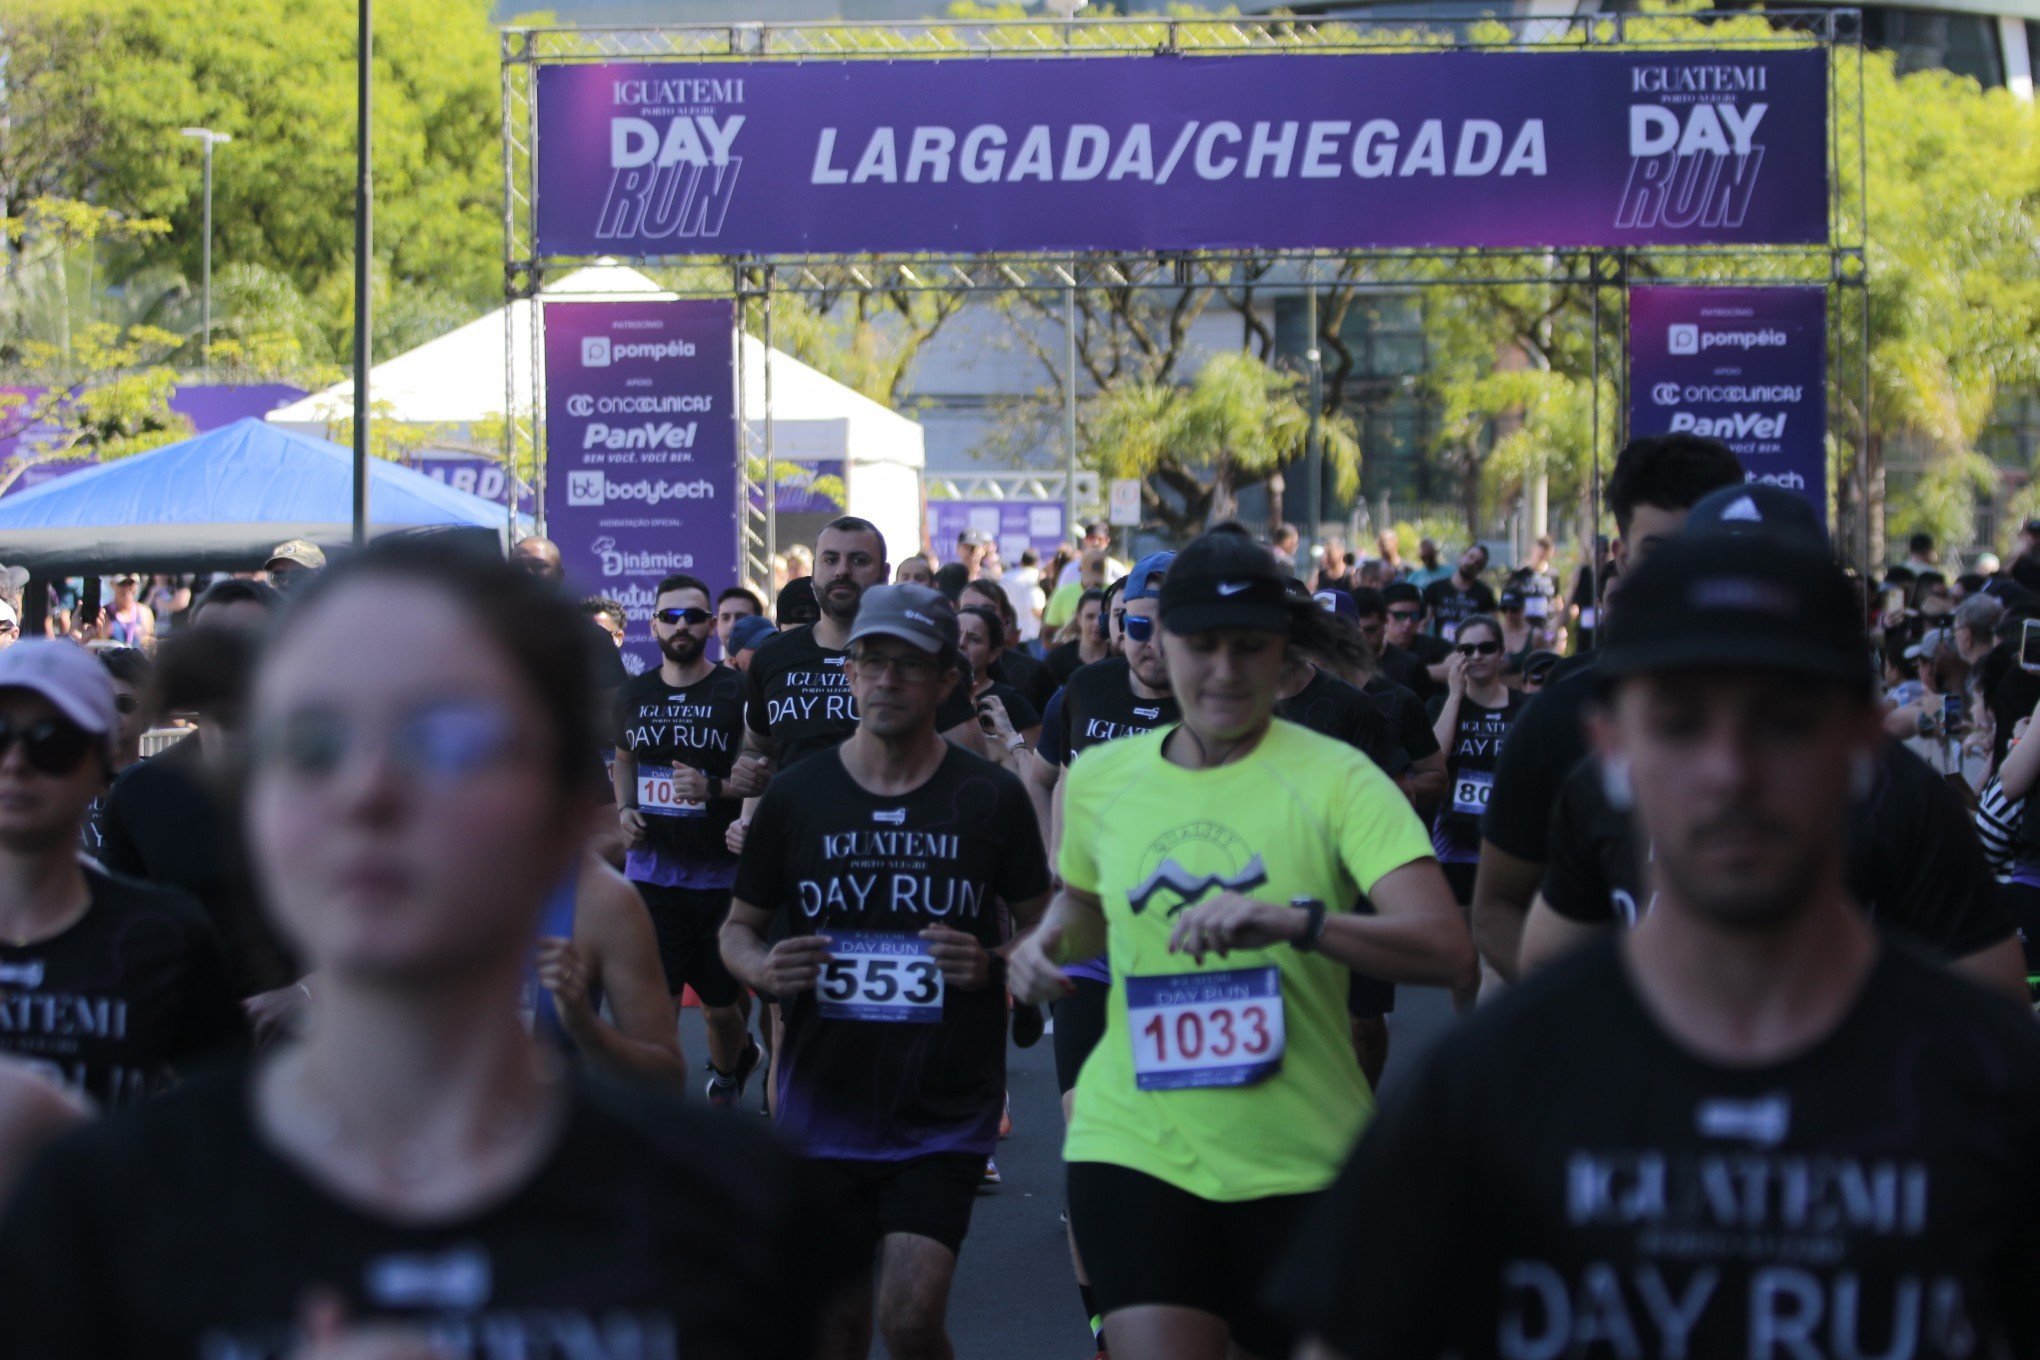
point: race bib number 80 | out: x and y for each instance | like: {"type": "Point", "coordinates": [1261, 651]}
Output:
{"type": "Point", "coordinates": [1470, 792]}
{"type": "Point", "coordinates": [880, 976]}
{"type": "Point", "coordinates": [1206, 1029]}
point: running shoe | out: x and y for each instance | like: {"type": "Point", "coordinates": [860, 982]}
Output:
{"type": "Point", "coordinates": [1028, 1026]}
{"type": "Point", "coordinates": [992, 1176]}
{"type": "Point", "coordinates": [726, 1090]}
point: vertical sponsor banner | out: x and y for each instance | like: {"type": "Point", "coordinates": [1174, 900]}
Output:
{"type": "Point", "coordinates": [1014, 525]}
{"type": "Point", "coordinates": [641, 449]}
{"type": "Point", "coordinates": [1747, 366]}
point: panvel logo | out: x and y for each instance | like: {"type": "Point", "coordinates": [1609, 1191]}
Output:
{"type": "Point", "coordinates": [661, 434]}
{"type": "Point", "coordinates": [1741, 425]}
{"type": "Point", "coordinates": [673, 177]}
{"type": "Point", "coordinates": [1694, 163]}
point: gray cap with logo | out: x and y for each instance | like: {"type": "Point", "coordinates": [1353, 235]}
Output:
{"type": "Point", "coordinates": [916, 615]}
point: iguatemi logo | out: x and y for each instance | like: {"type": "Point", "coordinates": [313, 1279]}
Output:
{"type": "Point", "coordinates": [1191, 863]}
{"type": "Point", "coordinates": [673, 162]}
{"type": "Point", "coordinates": [1695, 157]}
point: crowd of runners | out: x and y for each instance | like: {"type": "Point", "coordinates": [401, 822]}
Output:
{"type": "Point", "coordinates": [345, 1028]}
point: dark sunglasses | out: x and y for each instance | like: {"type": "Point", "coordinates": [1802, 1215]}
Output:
{"type": "Point", "coordinates": [1137, 627]}
{"type": "Point", "coordinates": [127, 703]}
{"type": "Point", "coordinates": [693, 618]}
{"type": "Point", "coordinates": [51, 745]}
{"type": "Point", "coordinates": [1405, 615]}
{"type": "Point", "coordinates": [1479, 648]}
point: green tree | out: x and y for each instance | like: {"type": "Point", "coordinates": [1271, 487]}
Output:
{"type": "Point", "coordinates": [122, 408]}
{"type": "Point", "coordinates": [100, 88]}
{"type": "Point", "coordinates": [1236, 424]}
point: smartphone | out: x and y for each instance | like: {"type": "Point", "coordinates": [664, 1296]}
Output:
{"type": "Point", "coordinates": [2029, 646]}
{"type": "Point", "coordinates": [1894, 600]}
{"type": "Point", "coordinates": [1951, 713]}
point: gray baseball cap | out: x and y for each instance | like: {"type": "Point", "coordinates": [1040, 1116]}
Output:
{"type": "Point", "coordinates": [68, 676]}
{"type": "Point", "coordinates": [914, 614]}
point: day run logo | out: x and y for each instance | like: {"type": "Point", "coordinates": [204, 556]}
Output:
{"type": "Point", "coordinates": [1694, 154]}
{"type": "Point", "coordinates": [671, 176]}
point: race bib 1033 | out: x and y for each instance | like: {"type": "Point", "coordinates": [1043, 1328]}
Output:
{"type": "Point", "coordinates": [656, 797]}
{"type": "Point", "coordinates": [1206, 1029]}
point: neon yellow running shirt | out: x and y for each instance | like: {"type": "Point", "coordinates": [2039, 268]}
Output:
{"type": "Point", "coordinates": [1201, 1107]}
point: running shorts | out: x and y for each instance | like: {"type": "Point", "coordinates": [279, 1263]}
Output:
{"type": "Point", "coordinates": [688, 922]}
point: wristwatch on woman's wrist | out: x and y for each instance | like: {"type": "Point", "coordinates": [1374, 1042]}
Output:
{"type": "Point", "coordinates": [1313, 926]}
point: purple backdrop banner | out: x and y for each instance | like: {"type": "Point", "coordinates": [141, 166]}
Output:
{"type": "Point", "coordinates": [484, 477]}
{"type": "Point", "coordinates": [1014, 524]}
{"type": "Point", "coordinates": [641, 449]}
{"type": "Point", "coordinates": [206, 407]}
{"type": "Point", "coordinates": [1747, 366]}
{"type": "Point", "coordinates": [795, 492]}
{"type": "Point", "coordinates": [1184, 153]}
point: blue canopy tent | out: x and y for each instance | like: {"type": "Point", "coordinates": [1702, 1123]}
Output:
{"type": "Point", "coordinates": [220, 502]}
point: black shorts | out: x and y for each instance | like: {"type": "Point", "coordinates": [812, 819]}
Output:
{"type": "Point", "coordinates": [687, 922]}
{"type": "Point", "coordinates": [928, 1196]}
{"type": "Point", "coordinates": [1368, 997]}
{"type": "Point", "coordinates": [1146, 1242]}
{"type": "Point", "coordinates": [1079, 1024]}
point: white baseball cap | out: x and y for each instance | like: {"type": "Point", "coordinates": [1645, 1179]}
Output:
{"type": "Point", "coordinates": [68, 676]}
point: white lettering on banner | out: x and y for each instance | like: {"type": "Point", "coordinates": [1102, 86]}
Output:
{"type": "Point", "coordinates": [581, 405]}
{"type": "Point", "coordinates": [1733, 394]}
{"type": "Point", "coordinates": [882, 977]}
{"type": "Point", "coordinates": [664, 434]}
{"type": "Point", "coordinates": [696, 140]}
{"type": "Point", "coordinates": [1474, 148]}
{"type": "Point", "coordinates": [677, 90]}
{"type": "Point", "coordinates": [1741, 425]}
{"type": "Point", "coordinates": [592, 486]}
{"type": "Point", "coordinates": [1699, 80]}
{"type": "Point", "coordinates": [616, 562]}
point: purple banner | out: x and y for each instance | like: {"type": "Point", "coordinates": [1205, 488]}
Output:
{"type": "Point", "coordinates": [1015, 525]}
{"type": "Point", "coordinates": [1747, 366]}
{"type": "Point", "coordinates": [641, 449]}
{"type": "Point", "coordinates": [1502, 149]}
{"type": "Point", "coordinates": [795, 492]}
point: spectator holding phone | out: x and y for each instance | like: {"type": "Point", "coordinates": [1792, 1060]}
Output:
{"type": "Point", "coordinates": [1010, 722]}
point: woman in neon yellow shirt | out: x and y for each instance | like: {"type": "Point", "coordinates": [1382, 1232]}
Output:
{"type": "Point", "coordinates": [1216, 861]}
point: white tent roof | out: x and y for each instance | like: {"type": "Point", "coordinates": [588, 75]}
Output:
{"type": "Point", "coordinates": [457, 379]}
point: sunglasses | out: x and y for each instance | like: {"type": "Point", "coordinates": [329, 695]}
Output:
{"type": "Point", "coordinates": [912, 669]}
{"type": "Point", "coordinates": [693, 618]}
{"type": "Point", "coordinates": [1479, 648]}
{"type": "Point", "coordinates": [1405, 615]}
{"type": "Point", "coordinates": [442, 742]}
{"type": "Point", "coordinates": [1137, 627]}
{"type": "Point", "coordinates": [52, 746]}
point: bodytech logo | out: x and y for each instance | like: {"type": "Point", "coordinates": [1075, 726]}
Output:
{"type": "Point", "coordinates": [1694, 153]}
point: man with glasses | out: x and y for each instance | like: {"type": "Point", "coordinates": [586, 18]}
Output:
{"type": "Point", "coordinates": [107, 984]}
{"type": "Point", "coordinates": [679, 784]}
{"type": "Point", "coordinates": [1411, 656]}
{"type": "Point", "coordinates": [881, 865]}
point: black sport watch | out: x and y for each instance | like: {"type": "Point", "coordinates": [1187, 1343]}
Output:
{"type": "Point", "coordinates": [1314, 928]}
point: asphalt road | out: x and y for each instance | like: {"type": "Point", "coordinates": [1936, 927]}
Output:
{"type": "Point", "coordinates": [1015, 1298]}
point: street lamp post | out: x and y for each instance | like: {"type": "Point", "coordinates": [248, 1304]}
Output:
{"type": "Point", "coordinates": [210, 139]}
